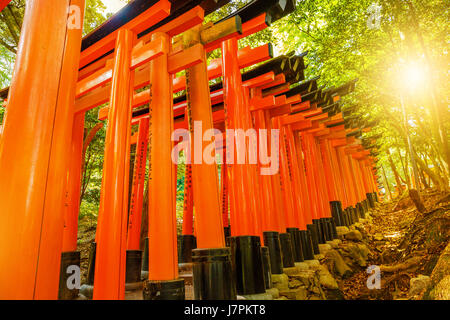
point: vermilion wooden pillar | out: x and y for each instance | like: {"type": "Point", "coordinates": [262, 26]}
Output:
{"type": "Point", "coordinates": [205, 180]}
{"type": "Point", "coordinates": [305, 192]}
{"type": "Point", "coordinates": [329, 170]}
{"type": "Point", "coordinates": [268, 205]}
{"type": "Point", "coordinates": [162, 213]}
{"type": "Point", "coordinates": [339, 184]}
{"type": "Point", "coordinates": [277, 218]}
{"type": "Point", "coordinates": [288, 188]}
{"type": "Point", "coordinates": [234, 99]}
{"type": "Point", "coordinates": [33, 152]}
{"type": "Point", "coordinates": [310, 167]}
{"type": "Point", "coordinates": [335, 153]}
{"type": "Point", "coordinates": [296, 179]}
{"type": "Point", "coordinates": [111, 237]}
{"type": "Point", "coordinates": [224, 194]}
{"type": "Point", "coordinates": [343, 161]}
{"type": "Point", "coordinates": [73, 185]}
{"type": "Point", "coordinates": [137, 194]}
{"type": "Point", "coordinates": [322, 190]}
{"type": "Point", "coordinates": [188, 209]}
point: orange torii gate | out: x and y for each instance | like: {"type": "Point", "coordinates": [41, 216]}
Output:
{"type": "Point", "coordinates": [249, 83]}
{"type": "Point", "coordinates": [3, 4]}
{"type": "Point", "coordinates": [33, 153]}
{"type": "Point", "coordinates": [322, 164]}
{"type": "Point", "coordinates": [176, 61]}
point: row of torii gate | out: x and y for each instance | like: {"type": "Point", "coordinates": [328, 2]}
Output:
{"type": "Point", "coordinates": [244, 221]}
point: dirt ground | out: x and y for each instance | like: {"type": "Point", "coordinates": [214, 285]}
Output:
{"type": "Point", "coordinates": [404, 244]}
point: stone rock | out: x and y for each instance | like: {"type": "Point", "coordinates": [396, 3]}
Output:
{"type": "Point", "coordinates": [364, 250]}
{"type": "Point", "coordinates": [306, 277]}
{"type": "Point", "coordinates": [274, 292]}
{"type": "Point", "coordinates": [332, 244]}
{"type": "Point", "coordinates": [319, 256]}
{"type": "Point", "coordinates": [324, 248]}
{"type": "Point", "coordinates": [87, 291]}
{"type": "Point", "coordinates": [358, 225]}
{"type": "Point", "coordinates": [326, 280]}
{"type": "Point", "coordinates": [302, 266]}
{"type": "Point", "coordinates": [315, 289]}
{"type": "Point", "coordinates": [354, 235]}
{"type": "Point", "coordinates": [259, 296]}
{"type": "Point", "coordinates": [336, 264]}
{"type": "Point", "coordinates": [442, 289]}
{"type": "Point", "coordinates": [341, 230]}
{"type": "Point", "coordinates": [291, 271]}
{"type": "Point", "coordinates": [280, 281]}
{"type": "Point", "coordinates": [419, 284]}
{"type": "Point", "coordinates": [312, 264]}
{"type": "Point", "coordinates": [354, 254]}
{"type": "Point", "coordinates": [336, 242]}
{"type": "Point", "coordinates": [295, 294]}
{"type": "Point", "coordinates": [294, 283]}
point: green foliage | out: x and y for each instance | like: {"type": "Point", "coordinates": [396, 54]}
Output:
{"type": "Point", "coordinates": [92, 175]}
{"type": "Point", "coordinates": [342, 47]}
{"type": "Point", "coordinates": [11, 23]}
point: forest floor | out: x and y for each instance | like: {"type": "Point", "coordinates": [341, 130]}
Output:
{"type": "Point", "coordinates": [405, 245]}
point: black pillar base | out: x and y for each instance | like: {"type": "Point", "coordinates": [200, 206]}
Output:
{"type": "Point", "coordinates": [272, 242]}
{"type": "Point", "coordinates": [356, 213]}
{"type": "Point", "coordinates": [305, 237]}
{"type": "Point", "coordinates": [345, 218]}
{"type": "Point", "coordinates": [312, 228]}
{"type": "Point", "coordinates": [247, 265]}
{"type": "Point", "coordinates": [287, 250]}
{"type": "Point", "coordinates": [164, 290]}
{"type": "Point", "coordinates": [336, 212]}
{"type": "Point", "coordinates": [362, 213]}
{"type": "Point", "coordinates": [333, 229]}
{"type": "Point", "coordinates": [266, 267]}
{"type": "Point", "coordinates": [296, 244]}
{"type": "Point", "coordinates": [326, 229]}
{"type": "Point", "coordinates": [145, 261]}
{"type": "Point", "coordinates": [133, 266]}
{"type": "Point", "coordinates": [227, 234]}
{"type": "Point", "coordinates": [91, 263]}
{"type": "Point", "coordinates": [320, 235]}
{"type": "Point", "coordinates": [186, 243]}
{"type": "Point", "coordinates": [68, 259]}
{"type": "Point", "coordinates": [213, 274]}
{"type": "Point", "coordinates": [365, 205]}
{"type": "Point", "coordinates": [371, 200]}
{"type": "Point", "coordinates": [349, 216]}
{"type": "Point", "coordinates": [375, 196]}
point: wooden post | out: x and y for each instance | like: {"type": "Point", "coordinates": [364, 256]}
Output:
{"type": "Point", "coordinates": [137, 194]}
{"type": "Point", "coordinates": [162, 214]}
{"type": "Point", "coordinates": [110, 264]}
{"type": "Point", "coordinates": [208, 219]}
{"type": "Point", "coordinates": [33, 152]}
{"type": "Point", "coordinates": [73, 186]}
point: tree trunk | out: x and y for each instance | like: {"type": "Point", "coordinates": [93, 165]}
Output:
{"type": "Point", "coordinates": [415, 197]}
{"type": "Point", "coordinates": [396, 175]}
